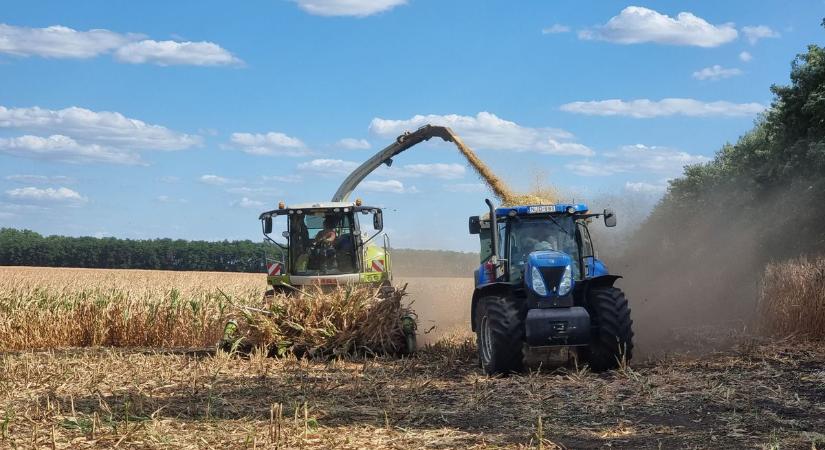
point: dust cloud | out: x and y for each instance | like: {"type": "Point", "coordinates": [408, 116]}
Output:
{"type": "Point", "coordinates": [692, 274]}
{"type": "Point", "coordinates": [442, 305]}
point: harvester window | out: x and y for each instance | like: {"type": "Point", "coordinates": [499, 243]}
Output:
{"type": "Point", "coordinates": [327, 247]}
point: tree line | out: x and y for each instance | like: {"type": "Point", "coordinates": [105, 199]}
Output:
{"type": "Point", "coordinates": [700, 255]}
{"type": "Point", "coordinates": [28, 248]}
{"type": "Point", "coordinates": [773, 178]}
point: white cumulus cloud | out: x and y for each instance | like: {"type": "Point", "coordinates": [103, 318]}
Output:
{"type": "Point", "coordinates": [291, 178]}
{"type": "Point", "coordinates": [555, 29]}
{"type": "Point", "coordinates": [745, 56]}
{"type": "Point", "coordinates": [168, 199]}
{"type": "Point", "coordinates": [39, 179]}
{"type": "Point", "coordinates": [60, 195]}
{"type": "Point", "coordinates": [641, 187]}
{"type": "Point", "coordinates": [268, 144]}
{"type": "Point", "coordinates": [716, 72]}
{"type": "Point", "coordinates": [97, 127]}
{"type": "Point", "coordinates": [59, 41]}
{"type": "Point", "coordinates": [636, 25]}
{"type": "Point", "coordinates": [171, 53]}
{"type": "Point", "coordinates": [355, 8]}
{"type": "Point", "coordinates": [329, 166]}
{"type": "Point", "coordinates": [754, 33]}
{"type": "Point", "coordinates": [255, 190]}
{"type": "Point", "coordinates": [214, 180]}
{"type": "Point", "coordinates": [63, 42]}
{"type": "Point", "coordinates": [61, 148]}
{"type": "Point", "coordinates": [488, 131]}
{"type": "Point", "coordinates": [246, 202]}
{"type": "Point", "coordinates": [436, 170]}
{"type": "Point", "coordinates": [639, 158]}
{"type": "Point", "coordinates": [391, 186]}
{"type": "Point", "coordinates": [466, 188]}
{"type": "Point", "coordinates": [644, 108]}
{"type": "Point", "coordinates": [353, 144]}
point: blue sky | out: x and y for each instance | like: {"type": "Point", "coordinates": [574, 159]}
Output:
{"type": "Point", "coordinates": [186, 119]}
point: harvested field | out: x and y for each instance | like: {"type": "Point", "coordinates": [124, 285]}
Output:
{"type": "Point", "coordinates": [757, 395]}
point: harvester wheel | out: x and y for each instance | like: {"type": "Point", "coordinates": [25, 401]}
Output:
{"type": "Point", "coordinates": [612, 341]}
{"type": "Point", "coordinates": [500, 335]}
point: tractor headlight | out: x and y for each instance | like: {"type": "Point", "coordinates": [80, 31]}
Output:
{"type": "Point", "coordinates": [566, 281]}
{"type": "Point", "coordinates": [538, 282]}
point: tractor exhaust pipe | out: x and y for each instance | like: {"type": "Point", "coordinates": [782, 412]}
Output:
{"type": "Point", "coordinates": [493, 231]}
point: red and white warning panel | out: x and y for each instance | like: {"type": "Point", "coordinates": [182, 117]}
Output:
{"type": "Point", "coordinates": [273, 269]}
{"type": "Point", "coordinates": [378, 265]}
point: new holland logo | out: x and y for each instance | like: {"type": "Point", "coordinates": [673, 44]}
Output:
{"type": "Point", "coordinates": [378, 265]}
{"type": "Point", "coordinates": [273, 269]}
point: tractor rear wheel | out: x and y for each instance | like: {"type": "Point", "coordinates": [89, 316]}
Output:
{"type": "Point", "coordinates": [500, 335]}
{"type": "Point", "coordinates": [612, 342]}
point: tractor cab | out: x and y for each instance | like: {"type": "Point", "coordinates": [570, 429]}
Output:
{"type": "Point", "coordinates": [540, 284]}
{"type": "Point", "coordinates": [326, 244]}
{"type": "Point", "coordinates": [532, 235]}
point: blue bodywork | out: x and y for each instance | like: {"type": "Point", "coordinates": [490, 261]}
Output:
{"type": "Point", "coordinates": [553, 317]}
{"type": "Point", "coordinates": [592, 267]}
{"type": "Point", "coordinates": [530, 210]}
{"type": "Point", "coordinates": [545, 259]}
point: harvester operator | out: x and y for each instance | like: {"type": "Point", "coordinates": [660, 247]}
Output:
{"type": "Point", "coordinates": [328, 234]}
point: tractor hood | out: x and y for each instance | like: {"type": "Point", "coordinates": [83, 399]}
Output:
{"type": "Point", "coordinates": [548, 276]}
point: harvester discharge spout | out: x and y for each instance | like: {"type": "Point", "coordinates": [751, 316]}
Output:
{"type": "Point", "coordinates": [410, 139]}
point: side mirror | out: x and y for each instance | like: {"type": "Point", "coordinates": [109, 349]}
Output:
{"type": "Point", "coordinates": [609, 218]}
{"type": "Point", "coordinates": [378, 220]}
{"type": "Point", "coordinates": [475, 225]}
{"type": "Point", "coordinates": [268, 225]}
{"type": "Point", "coordinates": [285, 234]}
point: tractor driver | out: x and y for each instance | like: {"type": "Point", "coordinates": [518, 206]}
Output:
{"type": "Point", "coordinates": [535, 238]}
{"type": "Point", "coordinates": [327, 236]}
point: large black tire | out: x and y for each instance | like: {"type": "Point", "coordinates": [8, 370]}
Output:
{"type": "Point", "coordinates": [500, 335]}
{"type": "Point", "coordinates": [611, 344]}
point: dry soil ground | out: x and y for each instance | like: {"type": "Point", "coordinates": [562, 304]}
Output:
{"type": "Point", "coordinates": [754, 395]}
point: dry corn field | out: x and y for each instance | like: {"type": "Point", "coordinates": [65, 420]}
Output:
{"type": "Point", "coordinates": [793, 298]}
{"type": "Point", "coordinates": [136, 388]}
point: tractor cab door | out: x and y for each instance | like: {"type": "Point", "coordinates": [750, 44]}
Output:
{"type": "Point", "coordinates": [588, 258]}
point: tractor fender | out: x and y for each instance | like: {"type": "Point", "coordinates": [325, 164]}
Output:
{"type": "Point", "coordinates": [601, 281]}
{"type": "Point", "coordinates": [499, 288]}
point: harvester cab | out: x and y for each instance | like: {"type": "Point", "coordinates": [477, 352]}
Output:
{"type": "Point", "coordinates": [541, 285]}
{"type": "Point", "coordinates": [327, 244]}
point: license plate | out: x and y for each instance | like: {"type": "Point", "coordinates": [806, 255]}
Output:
{"type": "Point", "coordinates": [541, 209]}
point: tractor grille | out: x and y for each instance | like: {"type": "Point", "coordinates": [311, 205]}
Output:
{"type": "Point", "coordinates": [552, 276]}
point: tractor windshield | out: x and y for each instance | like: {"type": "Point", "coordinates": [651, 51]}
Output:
{"type": "Point", "coordinates": [322, 243]}
{"type": "Point", "coordinates": [541, 233]}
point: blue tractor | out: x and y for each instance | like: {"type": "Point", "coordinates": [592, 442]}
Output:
{"type": "Point", "coordinates": [540, 285]}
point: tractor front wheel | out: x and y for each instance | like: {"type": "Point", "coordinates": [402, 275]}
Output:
{"type": "Point", "coordinates": [499, 335]}
{"type": "Point", "coordinates": [612, 341]}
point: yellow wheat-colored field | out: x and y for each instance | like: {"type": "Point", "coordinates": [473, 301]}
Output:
{"type": "Point", "coordinates": [792, 300]}
{"type": "Point", "coordinates": [50, 308]}
{"type": "Point", "coordinates": [56, 307]}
